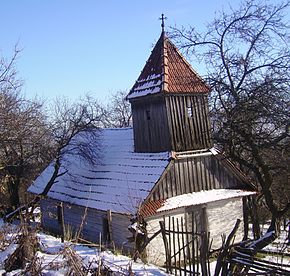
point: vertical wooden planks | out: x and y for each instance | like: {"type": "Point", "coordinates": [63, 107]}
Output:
{"type": "Point", "coordinates": [186, 243]}
{"type": "Point", "coordinates": [109, 218]}
{"type": "Point", "coordinates": [186, 131]}
{"type": "Point", "coordinates": [183, 246]}
{"type": "Point", "coordinates": [177, 177]}
{"type": "Point", "coordinates": [174, 246]}
{"type": "Point", "coordinates": [178, 243]}
{"type": "Point", "coordinates": [150, 124]}
{"type": "Point", "coordinates": [186, 177]}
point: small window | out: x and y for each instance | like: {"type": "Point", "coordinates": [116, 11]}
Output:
{"type": "Point", "coordinates": [189, 111]}
{"type": "Point", "coordinates": [148, 115]}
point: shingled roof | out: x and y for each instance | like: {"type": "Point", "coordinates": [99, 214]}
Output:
{"type": "Point", "coordinates": [167, 71]}
{"type": "Point", "coordinates": [119, 181]}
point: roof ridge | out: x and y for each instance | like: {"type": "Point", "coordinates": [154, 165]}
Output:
{"type": "Point", "coordinates": [164, 84]}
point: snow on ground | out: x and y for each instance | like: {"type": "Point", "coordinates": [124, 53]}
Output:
{"type": "Point", "coordinates": [280, 245]}
{"type": "Point", "coordinates": [52, 258]}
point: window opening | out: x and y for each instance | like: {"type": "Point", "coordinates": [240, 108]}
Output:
{"type": "Point", "coordinates": [189, 111]}
{"type": "Point", "coordinates": [148, 114]}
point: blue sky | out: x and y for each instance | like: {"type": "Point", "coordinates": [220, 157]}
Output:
{"type": "Point", "coordinates": [72, 47]}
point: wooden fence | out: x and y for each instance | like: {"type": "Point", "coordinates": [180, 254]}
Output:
{"type": "Point", "coordinates": [186, 247]}
{"type": "Point", "coordinates": [246, 263]}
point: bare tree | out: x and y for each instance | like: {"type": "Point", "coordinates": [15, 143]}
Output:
{"type": "Point", "coordinates": [248, 61]}
{"type": "Point", "coordinates": [30, 140]}
{"type": "Point", "coordinates": [23, 136]}
{"type": "Point", "coordinates": [24, 144]}
{"type": "Point", "coordinates": [118, 111]}
{"type": "Point", "coordinates": [72, 129]}
{"type": "Point", "coordinates": [9, 80]}
{"type": "Point", "coordinates": [74, 132]}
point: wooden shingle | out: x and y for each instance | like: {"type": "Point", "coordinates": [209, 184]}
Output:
{"type": "Point", "coordinates": [167, 71]}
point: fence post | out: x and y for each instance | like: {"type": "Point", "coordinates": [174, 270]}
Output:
{"type": "Point", "coordinates": [162, 227]}
{"type": "Point", "coordinates": [203, 253]}
{"type": "Point", "coordinates": [220, 264]}
{"type": "Point", "coordinates": [60, 218]}
{"type": "Point", "coordinates": [109, 217]}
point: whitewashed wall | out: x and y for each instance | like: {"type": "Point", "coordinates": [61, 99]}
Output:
{"type": "Point", "coordinates": [155, 250]}
{"type": "Point", "coordinates": [222, 216]}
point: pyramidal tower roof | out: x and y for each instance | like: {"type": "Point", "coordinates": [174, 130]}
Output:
{"type": "Point", "coordinates": [167, 71]}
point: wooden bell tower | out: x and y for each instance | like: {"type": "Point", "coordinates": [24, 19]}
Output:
{"type": "Point", "coordinates": [169, 103]}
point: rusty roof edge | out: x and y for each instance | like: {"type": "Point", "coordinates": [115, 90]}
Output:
{"type": "Point", "coordinates": [162, 212]}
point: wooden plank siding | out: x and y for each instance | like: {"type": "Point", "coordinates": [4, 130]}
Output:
{"type": "Point", "coordinates": [188, 122]}
{"type": "Point", "coordinates": [177, 122]}
{"type": "Point", "coordinates": [150, 134]}
{"type": "Point", "coordinates": [93, 223]}
{"type": "Point", "coordinates": [194, 174]}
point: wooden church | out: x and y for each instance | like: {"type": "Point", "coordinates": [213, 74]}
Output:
{"type": "Point", "coordinates": [165, 166]}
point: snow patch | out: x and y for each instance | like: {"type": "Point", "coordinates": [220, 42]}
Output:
{"type": "Point", "coordinates": [150, 85]}
{"type": "Point", "coordinates": [201, 198]}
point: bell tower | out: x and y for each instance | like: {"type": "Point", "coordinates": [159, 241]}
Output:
{"type": "Point", "coordinates": [169, 103]}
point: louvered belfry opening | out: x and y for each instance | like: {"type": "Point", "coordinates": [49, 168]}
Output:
{"type": "Point", "coordinates": [169, 103]}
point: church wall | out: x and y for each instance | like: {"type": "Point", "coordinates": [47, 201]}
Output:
{"type": "Point", "coordinates": [155, 250]}
{"type": "Point", "coordinates": [222, 216]}
{"type": "Point", "coordinates": [176, 122]}
{"type": "Point", "coordinates": [93, 224]}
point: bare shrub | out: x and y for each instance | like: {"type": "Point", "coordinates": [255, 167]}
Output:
{"type": "Point", "coordinates": [25, 251]}
{"type": "Point", "coordinates": [6, 236]}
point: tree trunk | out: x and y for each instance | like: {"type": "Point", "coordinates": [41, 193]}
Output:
{"type": "Point", "coordinates": [253, 208]}
{"type": "Point", "coordinates": [13, 187]}
{"type": "Point", "coordinates": [246, 218]}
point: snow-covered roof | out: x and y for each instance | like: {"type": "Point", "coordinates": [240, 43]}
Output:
{"type": "Point", "coordinates": [119, 181]}
{"type": "Point", "coordinates": [191, 199]}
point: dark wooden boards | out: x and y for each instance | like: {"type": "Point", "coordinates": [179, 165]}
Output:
{"type": "Point", "coordinates": [171, 122]}
{"type": "Point", "coordinates": [194, 174]}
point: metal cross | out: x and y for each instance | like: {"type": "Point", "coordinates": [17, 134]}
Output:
{"type": "Point", "coordinates": [162, 18]}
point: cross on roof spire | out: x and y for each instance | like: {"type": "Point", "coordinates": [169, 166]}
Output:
{"type": "Point", "coordinates": [162, 18]}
